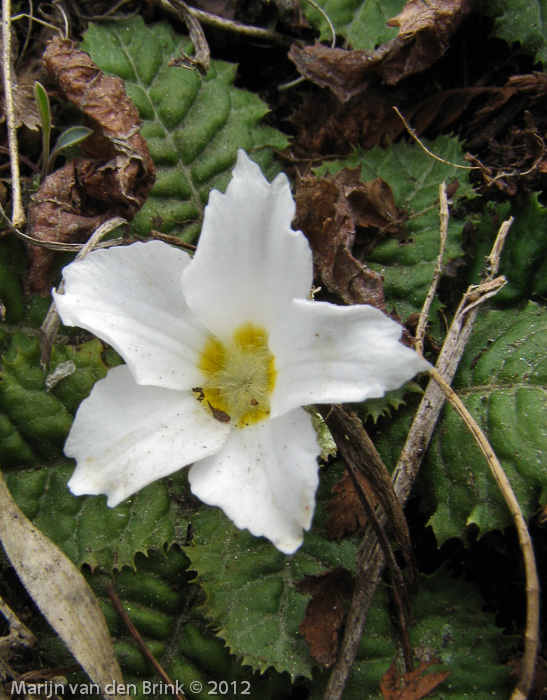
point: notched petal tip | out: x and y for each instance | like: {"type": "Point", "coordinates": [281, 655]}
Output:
{"type": "Point", "coordinates": [247, 169]}
{"type": "Point", "coordinates": [249, 262]}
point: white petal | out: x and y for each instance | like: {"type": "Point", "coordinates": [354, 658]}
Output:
{"type": "Point", "coordinates": [126, 436]}
{"type": "Point", "coordinates": [131, 297]}
{"type": "Point", "coordinates": [265, 478]}
{"type": "Point", "coordinates": [333, 354]}
{"type": "Point", "coordinates": [249, 262]}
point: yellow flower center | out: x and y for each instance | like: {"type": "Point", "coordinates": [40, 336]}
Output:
{"type": "Point", "coordinates": [239, 377]}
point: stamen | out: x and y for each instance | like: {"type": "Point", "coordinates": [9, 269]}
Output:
{"type": "Point", "coordinates": [239, 376]}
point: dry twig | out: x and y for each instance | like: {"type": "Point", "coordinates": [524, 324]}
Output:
{"type": "Point", "coordinates": [19, 633]}
{"type": "Point", "coordinates": [18, 212]}
{"type": "Point", "coordinates": [231, 26]}
{"type": "Point", "coordinates": [443, 233]}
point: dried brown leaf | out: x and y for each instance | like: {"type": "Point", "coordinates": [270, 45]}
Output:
{"type": "Point", "coordinates": [60, 592]}
{"type": "Point", "coordinates": [113, 176]}
{"type": "Point", "coordinates": [347, 513]}
{"type": "Point", "coordinates": [325, 612]}
{"type": "Point", "coordinates": [413, 685]}
{"type": "Point", "coordinates": [424, 36]}
{"type": "Point", "coordinates": [329, 211]}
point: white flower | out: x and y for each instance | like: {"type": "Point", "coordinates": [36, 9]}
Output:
{"type": "Point", "coordinates": [221, 353]}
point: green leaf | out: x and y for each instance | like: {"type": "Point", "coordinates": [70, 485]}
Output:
{"type": "Point", "coordinates": [251, 597]}
{"type": "Point", "coordinates": [414, 176]}
{"type": "Point", "coordinates": [448, 622]}
{"type": "Point", "coordinates": [193, 125]}
{"type": "Point", "coordinates": [387, 404]}
{"type": "Point", "coordinates": [522, 22]}
{"type": "Point", "coordinates": [70, 137]}
{"type": "Point", "coordinates": [44, 110]}
{"type": "Point", "coordinates": [158, 599]}
{"type": "Point", "coordinates": [502, 380]}
{"type": "Point", "coordinates": [524, 257]}
{"type": "Point", "coordinates": [362, 23]}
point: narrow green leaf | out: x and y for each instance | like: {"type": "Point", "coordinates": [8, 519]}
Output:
{"type": "Point", "coordinates": [70, 137]}
{"type": "Point", "coordinates": [42, 102]}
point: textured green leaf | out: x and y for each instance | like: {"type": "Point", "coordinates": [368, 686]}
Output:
{"type": "Point", "coordinates": [362, 23]}
{"type": "Point", "coordinates": [524, 257]}
{"type": "Point", "coordinates": [502, 380]}
{"type": "Point", "coordinates": [158, 600]}
{"type": "Point", "coordinates": [448, 622]}
{"type": "Point", "coordinates": [520, 21]}
{"type": "Point", "coordinates": [193, 125]}
{"type": "Point", "coordinates": [87, 530]}
{"type": "Point", "coordinates": [251, 597]}
{"type": "Point", "coordinates": [414, 176]}
{"type": "Point", "coordinates": [450, 625]}
{"type": "Point", "coordinates": [387, 404]}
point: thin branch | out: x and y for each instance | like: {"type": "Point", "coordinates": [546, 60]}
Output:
{"type": "Point", "coordinates": [202, 58]}
{"type": "Point", "coordinates": [360, 457]}
{"type": "Point", "coordinates": [443, 234]}
{"type": "Point", "coordinates": [231, 26]}
{"type": "Point", "coordinates": [140, 642]}
{"type": "Point", "coordinates": [397, 588]}
{"type": "Point", "coordinates": [19, 633]}
{"type": "Point", "coordinates": [415, 136]}
{"type": "Point", "coordinates": [18, 212]}
{"type": "Point", "coordinates": [56, 245]}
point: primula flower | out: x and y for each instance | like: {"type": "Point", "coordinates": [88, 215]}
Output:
{"type": "Point", "coordinates": [222, 351]}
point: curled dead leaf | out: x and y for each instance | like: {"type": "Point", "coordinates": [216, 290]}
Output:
{"type": "Point", "coordinates": [325, 612]}
{"type": "Point", "coordinates": [330, 211]}
{"type": "Point", "coordinates": [61, 593]}
{"type": "Point", "coordinates": [113, 176]}
{"type": "Point", "coordinates": [424, 35]}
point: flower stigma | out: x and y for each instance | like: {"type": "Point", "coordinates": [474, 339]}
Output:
{"type": "Point", "coordinates": [239, 376]}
